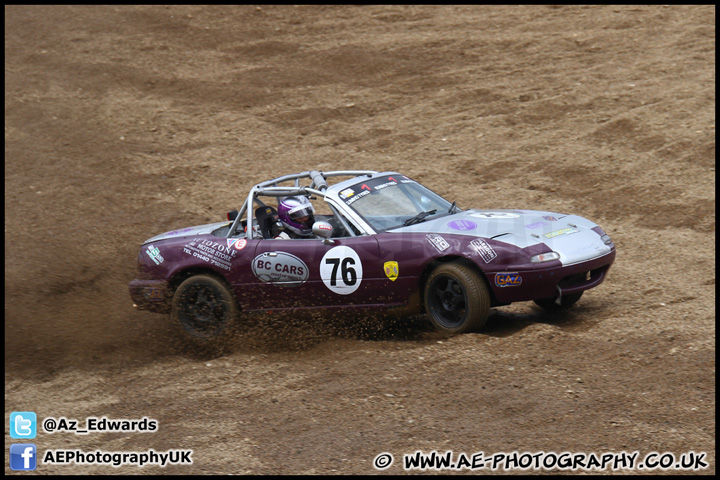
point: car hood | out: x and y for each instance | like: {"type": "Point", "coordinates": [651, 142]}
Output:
{"type": "Point", "coordinates": [187, 232]}
{"type": "Point", "coordinates": [571, 236]}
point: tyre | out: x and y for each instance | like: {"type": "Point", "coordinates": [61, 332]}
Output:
{"type": "Point", "coordinates": [205, 310]}
{"type": "Point", "coordinates": [456, 299]}
{"type": "Point", "coordinates": [550, 305]}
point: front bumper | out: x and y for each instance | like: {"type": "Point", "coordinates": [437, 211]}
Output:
{"type": "Point", "coordinates": [520, 284]}
{"type": "Point", "coordinates": [151, 295]}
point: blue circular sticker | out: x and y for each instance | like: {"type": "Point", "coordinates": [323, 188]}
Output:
{"type": "Point", "coordinates": [462, 225]}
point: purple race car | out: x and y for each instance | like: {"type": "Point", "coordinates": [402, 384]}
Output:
{"type": "Point", "coordinates": [377, 241]}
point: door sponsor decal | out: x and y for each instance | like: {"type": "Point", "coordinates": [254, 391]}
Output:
{"type": "Point", "coordinates": [341, 270]}
{"type": "Point", "coordinates": [210, 251]}
{"type": "Point", "coordinates": [481, 247]}
{"type": "Point", "coordinates": [280, 268]}
{"type": "Point", "coordinates": [392, 270]}
{"type": "Point", "coordinates": [508, 279]}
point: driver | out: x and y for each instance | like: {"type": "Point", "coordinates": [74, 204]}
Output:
{"type": "Point", "coordinates": [296, 215]}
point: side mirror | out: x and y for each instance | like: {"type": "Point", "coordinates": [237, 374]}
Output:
{"type": "Point", "coordinates": [232, 215]}
{"type": "Point", "coordinates": [323, 230]}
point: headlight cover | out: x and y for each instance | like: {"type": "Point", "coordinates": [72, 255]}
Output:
{"type": "Point", "coordinates": [545, 257]}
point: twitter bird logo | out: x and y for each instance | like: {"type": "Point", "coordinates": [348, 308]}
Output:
{"type": "Point", "coordinates": [23, 425]}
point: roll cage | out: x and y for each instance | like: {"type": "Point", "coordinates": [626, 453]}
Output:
{"type": "Point", "coordinates": [272, 188]}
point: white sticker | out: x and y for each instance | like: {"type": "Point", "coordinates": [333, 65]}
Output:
{"type": "Point", "coordinates": [438, 242]}
{"type": "Point", "coordinates": [482, 248]}
{"type": "Point", "coordinates": [154, 253]}
{"type": "Point", "coordinates": [341, 270]}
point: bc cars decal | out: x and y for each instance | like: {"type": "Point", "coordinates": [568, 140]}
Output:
{"type": "Point", "coordinates": [562, 231]}
{"type": "Point", "coordinates": [462, 225]}
{"type": "Point", "coordinates": [550, 218]}
{"type": "Point", "coordinates": [438, 242]}
{"type": "Point", "coordinates": [481, 247]}
{"type": "Point", "coordinates": [392, 270]}
{"type": "Point", "coordinates": [341, 270]}
{"type": "Point", "coordinates": [154, 254]}
{"type": "Point", "coordinates": [280, 268]}
{"type": "Point", "coordinates": [508, 279]}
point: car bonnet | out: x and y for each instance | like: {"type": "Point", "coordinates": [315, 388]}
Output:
{"type": "Point", "coordinates": [571, 236]}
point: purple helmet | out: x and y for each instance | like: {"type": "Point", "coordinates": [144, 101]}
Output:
{"type": "Point", "coordinates": [296, 214]}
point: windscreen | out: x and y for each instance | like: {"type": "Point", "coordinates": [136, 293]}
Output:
{"type": "Point", "coordinates": [390, 201]}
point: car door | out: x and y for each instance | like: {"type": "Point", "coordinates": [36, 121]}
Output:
{"type": "Point", "coordinates": [305, 273]}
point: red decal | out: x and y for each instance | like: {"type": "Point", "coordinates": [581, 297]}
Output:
{"type": "Point", "coordinates": [365, 187]}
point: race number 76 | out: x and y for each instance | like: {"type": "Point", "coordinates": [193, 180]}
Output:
{"type": "Point", "coordinates": [341, 270]}
{"type": "Point", "coordinates": [349, 275]}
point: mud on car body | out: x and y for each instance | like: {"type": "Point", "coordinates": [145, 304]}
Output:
{"type": "Point", "coordinates": [384, 242]}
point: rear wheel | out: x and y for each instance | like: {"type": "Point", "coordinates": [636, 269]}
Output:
{"type": "Point", "coordinates": [456, 299]}
{"type": "Point", "coordinates": [205, 310]}
{"type": "Point", "coordinates": [550, 304]}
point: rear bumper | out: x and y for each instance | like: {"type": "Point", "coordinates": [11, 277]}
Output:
{"type": "Point", "coordinates": [151, 295]}
{"type": "Point", "coordinates": [523, 285]}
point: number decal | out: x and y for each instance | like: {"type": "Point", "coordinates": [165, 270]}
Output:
{"type": "Point", "coordinates": [341, 270]}
{"type": "Point", "coordinates": [349, 275]}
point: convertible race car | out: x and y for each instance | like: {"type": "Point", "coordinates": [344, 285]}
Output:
{"type": "Point", "coordinates": [375, 241]}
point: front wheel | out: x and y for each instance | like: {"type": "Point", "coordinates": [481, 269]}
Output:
{"type": "Point", "coordinates": [456, 299]}
{"type": "Point", "coordinates": [205, 310]}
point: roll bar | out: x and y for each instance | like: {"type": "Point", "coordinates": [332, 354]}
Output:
{"type": "Point", "coordinates": [271, 188]}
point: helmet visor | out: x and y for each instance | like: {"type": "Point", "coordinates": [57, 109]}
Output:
{"type": "Point", "coordinates": [301, 213]}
